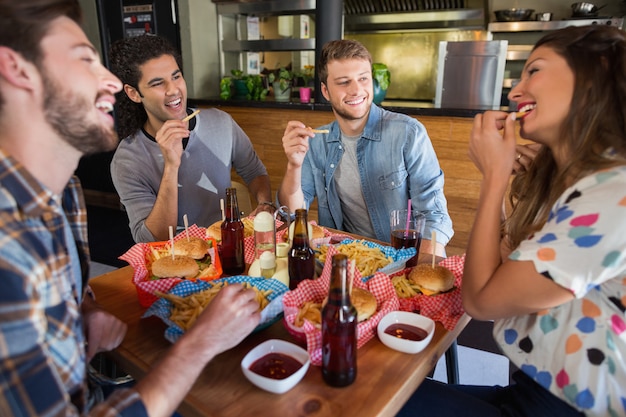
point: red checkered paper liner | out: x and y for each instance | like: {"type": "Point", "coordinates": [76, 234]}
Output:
{"type": "Point", "coordinates": [317, 290]}
{"type": "Point", "coordinates": [446, 308]}
{"type": "Point", "coordinates": [136, 257]}
{"type": "Point", "coordinates": [248, 242]}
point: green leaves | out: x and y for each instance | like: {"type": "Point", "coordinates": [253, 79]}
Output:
{"type": "Point", "coordinates": [381, 74]}
{"type": "Point", "coordinates": [253, 83]}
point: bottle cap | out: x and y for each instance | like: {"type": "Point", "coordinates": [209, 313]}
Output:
{"type": "Point", "coordinates": [263, 222]}
{"type": "Point", "coordinates": [267, 260]}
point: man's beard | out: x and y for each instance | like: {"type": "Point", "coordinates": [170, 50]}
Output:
{"type": "Point", "coordinates": [344, 114]}
{"type": "Point", "coordinates": [67, 114]}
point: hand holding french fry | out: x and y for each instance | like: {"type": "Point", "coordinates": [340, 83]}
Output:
{"type": "Point", "coordinates": [186, 310]}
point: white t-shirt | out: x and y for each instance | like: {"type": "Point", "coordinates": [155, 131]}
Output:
{"type": "Point", "coordinates": [578, 350]}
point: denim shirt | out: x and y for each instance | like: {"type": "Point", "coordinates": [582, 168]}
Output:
{"type": "Point", "coordinates": [396, 162]}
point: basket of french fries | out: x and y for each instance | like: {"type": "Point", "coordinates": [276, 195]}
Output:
{"type": "Point", "coordinates": [370, 257]}
{"type": "Point", "coordinates": [142, 256]}
{"type": "Point", "coordinates": [180, 307]}
{"type": "Point", "coordinates": [446, 307]}
{"type": "Point", "coordinates": [302, 306]}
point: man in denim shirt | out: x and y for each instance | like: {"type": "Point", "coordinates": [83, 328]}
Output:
{"type": "Point", "coordinates": [370, 162]}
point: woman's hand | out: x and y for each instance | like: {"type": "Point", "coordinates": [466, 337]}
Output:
{"type": "Point", "coordinates": [524, 156]}
{"type": "Point", "coordinates": [492, 144]}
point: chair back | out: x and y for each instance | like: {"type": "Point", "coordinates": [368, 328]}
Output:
{"type": "Point", "coordinates": [243, 198]}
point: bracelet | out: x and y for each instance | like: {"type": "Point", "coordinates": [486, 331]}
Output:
{"type": "Point", "coordinates": [267, 203]}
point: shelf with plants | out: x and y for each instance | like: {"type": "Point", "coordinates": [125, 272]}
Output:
{"type": "Point", "coordinates": [240, 86]}
{"type": "Point", "coordinates": [265, 46]}
{"type": "Point", "coordinates": [237, 39]}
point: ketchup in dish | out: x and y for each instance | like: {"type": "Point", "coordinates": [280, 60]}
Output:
{"type": "Point", "coordinates": [275, 366]}
{"type": "Point", "coordinates": [406, 331]}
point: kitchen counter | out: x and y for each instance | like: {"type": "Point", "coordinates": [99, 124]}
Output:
{"type": "Point", "coordinates": [414, 108]}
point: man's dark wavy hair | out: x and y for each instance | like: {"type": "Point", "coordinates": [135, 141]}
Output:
{"type": "Point", "coordinates": [126, 56]}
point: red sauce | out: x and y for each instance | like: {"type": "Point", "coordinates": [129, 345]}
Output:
{"type": "Point", "coordinates": [275, 366]}
{"type": "Point", "coordinates": [406, 331]}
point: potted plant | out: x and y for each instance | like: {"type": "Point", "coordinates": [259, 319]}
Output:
{"type": "Point", "coordinates": [307, 75]}
{"type": "Point", "coordinates": [382, 79]}
{"type": "Point", "coordinates": [282, 82]}
{"type": "Point", "coordinates": [246, 86]}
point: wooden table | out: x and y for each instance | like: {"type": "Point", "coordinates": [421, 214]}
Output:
{"type": "Point", "coordinates": [385, 378]}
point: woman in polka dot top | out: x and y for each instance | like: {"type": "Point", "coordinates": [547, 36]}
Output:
{"type": "Point", "coordinates": [553, 276]}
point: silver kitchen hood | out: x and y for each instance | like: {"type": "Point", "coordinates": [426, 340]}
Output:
{"type": "Point", "coordinates": [377, 15]}
{"type": "Point", "coordinates": [400, 15]}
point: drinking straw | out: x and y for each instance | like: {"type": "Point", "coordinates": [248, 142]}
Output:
{"type": "Point", "coordinates": [408, 219]}
{"type": "Point", "coordinates": [172, 241]}
{"type": "Point", "coordinates": [433, 241]}
{"type": "Point", "coordinates": [186, 226]}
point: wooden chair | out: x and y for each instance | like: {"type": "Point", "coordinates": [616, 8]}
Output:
{"type": "Point", "coordinates": [243, 198]}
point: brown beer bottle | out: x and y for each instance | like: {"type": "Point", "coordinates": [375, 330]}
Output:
{"type": "Point", "coordinates": [301, 260]}
{"type": "Point", "coordinates": [231, 253]}
{"type": "Point", "coordinates": [339, 328]}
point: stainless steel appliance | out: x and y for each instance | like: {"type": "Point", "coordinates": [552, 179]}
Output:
{"type": "Point", "coordinates": [470, 74]}
{"type": "Point", "coordinates": [118, 19]}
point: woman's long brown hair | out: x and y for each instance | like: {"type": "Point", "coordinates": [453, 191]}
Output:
{"type": "Point", "coordinates": [594, 130]}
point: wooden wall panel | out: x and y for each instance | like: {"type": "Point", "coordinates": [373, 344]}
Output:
{"type": "Point", "coordinates": [449, 136]}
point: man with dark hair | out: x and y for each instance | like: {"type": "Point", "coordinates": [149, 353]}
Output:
{"type": "Point", "coordinates": [370, 162]}
{"type": "Point", "coordinates": [55, 104]}
{"type": "Point", "coordinates": [166, 168]}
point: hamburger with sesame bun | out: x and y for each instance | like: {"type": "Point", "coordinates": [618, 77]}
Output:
{"type": "Point", "coordinates": [177, 266]}
{"type": "Point", "coordinates": [431, 281]}
{"type": "Point", "coordinates": [364, 302]}
{"type": "Point", "coordinates": [195, 247]}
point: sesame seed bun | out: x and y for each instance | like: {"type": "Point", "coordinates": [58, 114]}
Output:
{"type": "Point", "coordinates": [215, 231]}
{"type": "Point", "coordinates": [431, 280]}
{"type": "Point", "coordinates": [364, 302]}
{"type": "Point", "coordinates": [178, 266]}
{"type": "Point", "coordinates": [314, 231]}
{"type": "Point", "coordinates": [195, 247]}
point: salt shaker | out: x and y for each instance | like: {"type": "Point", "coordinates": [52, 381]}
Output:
{"type": "Point", "coordinates": [264, 234]}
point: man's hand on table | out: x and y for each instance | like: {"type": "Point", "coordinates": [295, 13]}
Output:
{"type": "Point", "coordinates": [104, 332]}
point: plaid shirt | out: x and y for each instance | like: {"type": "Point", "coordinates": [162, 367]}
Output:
{"type": "Point", "coordinates": [42, 340]}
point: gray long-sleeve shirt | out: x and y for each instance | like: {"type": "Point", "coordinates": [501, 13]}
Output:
{"type": "Point", "coordinates": [216, 144]}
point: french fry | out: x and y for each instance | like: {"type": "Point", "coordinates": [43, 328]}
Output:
{"type": "Point", "coordinates": [185, 310]}
{"type": "Point", "coordinates": [311, 311]}
{"type": "Point", "coordinates": [191, 116]}
{"type": "Point", "coordinates": [368, 260]}
{"type": "Point", "coordinates": [404, 288]}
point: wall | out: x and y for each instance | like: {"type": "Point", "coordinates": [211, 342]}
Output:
{"type": "Point", "coordinates": [198, 34]}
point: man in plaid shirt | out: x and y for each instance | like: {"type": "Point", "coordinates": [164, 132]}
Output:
{"type": "Point", "coordinates": [55, 104]}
